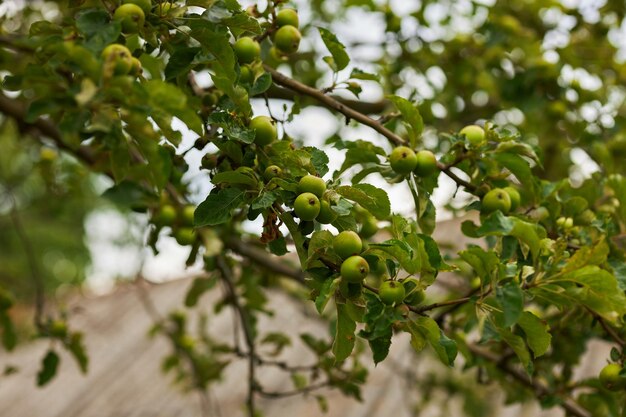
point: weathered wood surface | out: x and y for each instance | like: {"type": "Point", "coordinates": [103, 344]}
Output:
{"type": "Point", "coordinates": [124, 378]}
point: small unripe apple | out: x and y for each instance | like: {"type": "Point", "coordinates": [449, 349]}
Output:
{"type": "Point", "coordinates": [327, 214]}
{"type": "Point", "coordinates": [135, 68]}
{"type": "Point", "coordinates": [166, 216]}
{"type": "Point", "coordinates": [187, 215]}
{"type": "Point", "coordinates": [185, 236]}
{"type": "Point", "coordinates": [307, 206]}
{"type": "Point", "coordinates": [426, 163]}
{"type": "Point", "coordinates": [610, 377]}
{"type": "Point", "coordinates": [354, 269]}
{"type": "Point", "coordinates": [247, 50]}
{"type": "Point", "coordinates": [246, 75]}
{"type": "Point", "coordinates": [287, 17]}
{"type": "Point", "coordinates": [516, 199]}
{"type": "Point", "coordinates": [391, 292]}
{"type": "Point", "coordinates": [402, 160]}
{"type": "Point", "coordinates": [565, 222]}
{"type": "Point", "coordinates": [265, 129]}
{"type": "Point", "coordinates": [287, 39]}
{"type": "Point", "coordinates": [369, 227]}
{"type": "Point", "coordinates": [272, 171]}
{"type": "Point", "coordinates": [119, 57]}
{"type": "Point", "coordinates": [146, 5]}
{"type": "Point", "coordinates": [347, 243]}
{"type": "Point", "coordinates": [496, 199]}
{"type": "Point", "coordinates": [475, 135]}
{"type": "Point", "coordinates": [131, 17]}
{"type": "Point", "coordinates": [312, 184]}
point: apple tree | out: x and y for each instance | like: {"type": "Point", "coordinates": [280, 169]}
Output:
{"type": "Point", "coordinates": [507, 104]}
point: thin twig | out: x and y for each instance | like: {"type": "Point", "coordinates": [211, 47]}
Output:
{"type": "Point", "coordinates": [33, 263]}
{"type": "Point", "coordinates": [227, 278]}
{"type": "Point", "coordinates": [539, 389]}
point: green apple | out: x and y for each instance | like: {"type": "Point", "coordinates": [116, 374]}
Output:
{"type": "Point", "coordinates": [135, 68]}
{"type": "Point", "coordinates": [265, 129]}
{"type": "Point", "coordinates": [118, 57]}
{"type": "Point", "coordinates": [246, 75]}
{"type": "Point", "coordinates": [327, 214]}
{"type": "Point", "coordinates": [187, 215]}
{"type": "Point", "coordinates": [166, 216]}
{"type": "Point", "coordinates": [610, 377]}
{"type": "Point", "coordinates": [287, 39]}
{"type": "Point", "coordinates": [307, 206]}
{"type": "Point", "coordinates": [347, 243]}
{"type": "Point", "coordinates": [146, 5]}
{"type": "Point", "coordinates": [496, 199]}
{"type": "Point", "coordinates": [287, 17]}
{"type": "Point", "coordinates": [312, 184]}
{"type": "Point", "coordinates": [414, 294]}
{"type": "Point", "coordinates": [516, 199]}
{"type": "Point", "coordinates": [391, 292]}
{"type": "Point", "coordinates": [185, 236]}
{"type": "Point", "coordinates": [272, 171]}
{"type": "Point", "coordinates": [402, 160]}
{"type": "Point", "coordinates": [354, 269]}
{"type": "Point", "coordinates": [426, 163]}
{"type": "Point", "coordinates": [475, 135]}
{"type": "Point", "coordinates": [58, 328]}
{"type": "Point", "coordinates": [247, 50]}
{"type": "Point", "coordinates": [131, 16]}
{"type": "Point", "coordinates": [369, 226]}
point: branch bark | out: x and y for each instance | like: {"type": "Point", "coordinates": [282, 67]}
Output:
{"type": "Point", "coordinates": [333, 104]}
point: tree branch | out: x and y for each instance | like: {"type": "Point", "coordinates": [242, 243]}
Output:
{"type": "Point", "coordinates": [248, 332]}
{"type": "Point", "coordinates": [333, 104]}
{"type": "Point", "coordinates": [537, 387]}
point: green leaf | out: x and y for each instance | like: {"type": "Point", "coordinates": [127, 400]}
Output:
{"type": "Point", "coordinates": [218, 207]}
{"type": "Point", "coordinates": [336, 48]}
{"type": "Point", "coordinates": [261, 84]}
{"type": "Point", "coordinates": [243, 177]}
{"type": "Point", "coordinates": [344, 338]}
{"type": "Point", "coordinates": [76, 347]}
{"type": "Point", "coordinates": [369, 197]}
{"type": "Point", "coordinates": [594, 288]}
{"type": "Point", "coordinates": [327, 290]}
{"type": "Point", "coordinates": [180, 62]}
{"type": "Point", "coordinates": [380, 346]}
{"type": "Point", "coordinates": [588, 255]}
{"type": "Point", "coordinates": [264, 201]}
{"type": "Point", "coordinates": [445, 347]}
{"type": "Point", "coordinates": [129, 195]}
{"type": "Point", "coordinates": [537, 333]}
{"type": "Point", "coordinates": [511, 299]}
{"type": "Point", "coordinates": [518, 167]}
{"type": "Point", "coordinates": [319, 160]}
{"type": "Point", "coordinates": [9, 335]}
{"type": "Point", "coordinates": [484, 263]}
{"type": "Point", "coordinates": [360, 152]}
{"type": "Point", "coordinates": [198, 287]}
{"type": "Point", "coordinates": [411, 118]}
{"type": "Point", "coordinates": [400, 251]}
{"type": "Point", "coordinates": [519, 347]}
{"type": "Point", "coordinates": [358, 74]}
{"type": "Point", "coordinates": [48, 370]}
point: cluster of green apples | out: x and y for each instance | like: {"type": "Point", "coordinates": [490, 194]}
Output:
{"type": "Point", "coordinates": [355, 268]}
{"type": "Point", "coordinates": [404, 160]}
{"type": "Point", "coordinates": [285, 37]}
{"type": "Point", "coordinates": [178, 218]}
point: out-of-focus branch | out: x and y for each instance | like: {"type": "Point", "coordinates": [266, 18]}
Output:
{"type": "Point", "coordinates": [539, 389]}
{"type": "Point", "coordinates": [227, 278]}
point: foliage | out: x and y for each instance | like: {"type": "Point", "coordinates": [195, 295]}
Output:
{"type": "Point", "coordinates": [549, 275]}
